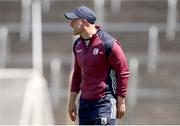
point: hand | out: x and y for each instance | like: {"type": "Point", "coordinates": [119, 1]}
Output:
{"type": "Point", "coordinates": [121, 108]}
{"type": "Point", "coordinates": [72, 111]}
{"type": "Point", "coordinates": [72, 106]}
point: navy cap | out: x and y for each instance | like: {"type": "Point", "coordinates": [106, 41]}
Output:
{"type": "Point", "coordinates": [82, 12]}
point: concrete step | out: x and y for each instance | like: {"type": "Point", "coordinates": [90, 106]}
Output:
{"type": "Point", "coordinates": [138, 42]}
{"type": "Point", "coordinates": [10, 12]}
{"type": "Point", "coordinates": [58, 8]}
{"type": "Point", "coordinates": [62, 43]}
{"type": "Point", "coordinates": [138, 11]}
{"type": "Point", "coordinates": [52, 42]}
{"type": "Point", "coordinates": [156, 114]}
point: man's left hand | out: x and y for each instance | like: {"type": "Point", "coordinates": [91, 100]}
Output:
{"type": "Point", "coordinates": [121, 107]}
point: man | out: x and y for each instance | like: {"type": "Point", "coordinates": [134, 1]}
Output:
{"type": "Point", "coordinates": [100, 72]}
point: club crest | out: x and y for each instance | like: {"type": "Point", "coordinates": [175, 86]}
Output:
{"type": "Point", "coordinates": [95, 51]}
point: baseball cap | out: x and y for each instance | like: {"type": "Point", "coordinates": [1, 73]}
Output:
{"type": "Point", "coordinates": [82, 12]}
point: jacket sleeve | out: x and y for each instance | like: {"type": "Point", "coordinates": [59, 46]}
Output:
{"type": "Point", "coordinates": [76, 77]}
{"type": "Point", "coordinates": [119, 63]}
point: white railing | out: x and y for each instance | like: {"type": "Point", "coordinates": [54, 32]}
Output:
{"type": "Point", "coordinates": [171, 19]}
{"type": "Point", "coordinates": [152, 50]}
{"type": "Point", "coordinates": [4, 46]}
{"type": "Point", "coordinates": [132, 89]}
{"type": "Point", "coordinates": [37, 36]}
{"type": "Point", "coordinates": [116, 6]}
{"type": "Point", "coordinates": [25, 20]}
{"type": "Point", "coordinates": [56, 81]}
{"type": "Point", "coordinates": [99, 10]}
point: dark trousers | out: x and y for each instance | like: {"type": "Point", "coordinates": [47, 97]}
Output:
{"type": "Point", "coordinates": [97, 112]}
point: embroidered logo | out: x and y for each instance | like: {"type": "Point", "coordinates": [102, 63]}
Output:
{"type": "Point", "coordinates": [103, 121]}
{"type": "Point", "coordinates": [95, 51]}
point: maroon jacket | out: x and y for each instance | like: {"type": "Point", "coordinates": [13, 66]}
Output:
{"type": "Point", "coordinates": [100, 68]}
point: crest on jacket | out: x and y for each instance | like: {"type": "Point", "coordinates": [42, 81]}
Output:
{"type": "Point", "coordinates": [95, 51]}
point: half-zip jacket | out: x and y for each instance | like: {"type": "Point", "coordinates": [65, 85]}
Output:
{"type": "Point", "coordinates": [100, 68]}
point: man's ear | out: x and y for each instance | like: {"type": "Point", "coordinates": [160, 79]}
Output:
{"type": "Point", "coordinates": [86, 22]}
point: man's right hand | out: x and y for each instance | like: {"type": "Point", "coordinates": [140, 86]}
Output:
{"type": "Point", "coordinates": [72, 106]}
{"type": "Point", "coordinates": [72, 111]}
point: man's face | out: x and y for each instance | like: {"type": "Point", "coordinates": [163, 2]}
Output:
{"type": "Point", "coordinates": [77, 25]}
